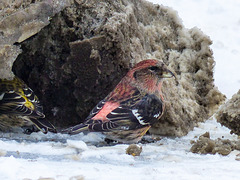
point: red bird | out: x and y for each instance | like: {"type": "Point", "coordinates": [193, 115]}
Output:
{"type": "Point", "coordinates": [132, 107]}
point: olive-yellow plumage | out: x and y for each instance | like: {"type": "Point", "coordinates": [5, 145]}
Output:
{"type": "Point", "coordinates": [19, 106]}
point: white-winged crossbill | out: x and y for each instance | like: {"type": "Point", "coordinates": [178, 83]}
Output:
{"type": "Point", "coordinates": [135, 104]}
{"type": "Point", "coordinates": [19, 107]}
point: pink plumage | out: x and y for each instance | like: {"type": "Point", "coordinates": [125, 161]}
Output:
{"type": "Point", "coordinates": [132, 107]}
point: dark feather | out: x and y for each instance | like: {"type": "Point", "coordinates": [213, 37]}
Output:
{"type": "Point", "coordinates": [96, 109]}
{"type": "Point", "coordinates": [43, 125]}
{"type": "Point", "coordinates": [75, 129]}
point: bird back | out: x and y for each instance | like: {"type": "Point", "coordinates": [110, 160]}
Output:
{"type": "Point", "coordinates": [17, 98]}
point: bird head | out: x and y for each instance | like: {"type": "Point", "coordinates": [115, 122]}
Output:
{"type": "Point", "coordinates": [150, 73]}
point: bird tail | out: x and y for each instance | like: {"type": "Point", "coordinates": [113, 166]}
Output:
{"type": "Point", "coordinates": [43, 125]}
{"type": "Point", "coordinates": [75, 129]}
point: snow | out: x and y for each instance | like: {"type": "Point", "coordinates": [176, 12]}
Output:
{"type": "Point", "coordinates": [60, 156]}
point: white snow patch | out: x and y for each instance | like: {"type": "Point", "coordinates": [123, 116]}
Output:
{"type": "Point", "coordinates": [63, 156]}
{"type": "Point", "coordinates": [77, 144]}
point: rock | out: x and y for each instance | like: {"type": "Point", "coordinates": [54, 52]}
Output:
{"type": "Point", "coordinates": [24, 23]}
{"type": "Point", "coordinates": [223, 146]}
{"type": "Point", "coordinates": [134, 150]}
{"type": "Point", "coordinates": [206, 134]}
{"type": "Point", "coordinates": [237, 157]}
{"type": "Point", "coordinates": [20, 20]}
{"type": "Point", "coordinates": [79, 57]}
{"type": "Point", "coordinates": [237, 145]}
{"type": "Point", "coordinates": [205, 145]}
{"type": "Point", "coordinates": [229, 114]}
{"type": "Point", "coordinates": [8, 54]}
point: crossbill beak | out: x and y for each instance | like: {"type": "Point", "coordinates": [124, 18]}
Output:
{"type": "Point", "coordinates": [169, 74]}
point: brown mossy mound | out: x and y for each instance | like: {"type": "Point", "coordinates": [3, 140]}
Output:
{"type": "Point", "coordinates": [229, 114]}
{"type": "Point", "coordinates": [205, 145]}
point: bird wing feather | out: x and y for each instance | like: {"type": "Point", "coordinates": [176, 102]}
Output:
{"type": "Point", "coordinates": [145, 111]}
{"type": "Point", "coordinates": [96, 109]}
{"type": "Point", "coordinates": [14, 103]}
{"type": "Point", "coordinates": [43, 125]}
{"type": "Point", "coordinates": [138, 111]}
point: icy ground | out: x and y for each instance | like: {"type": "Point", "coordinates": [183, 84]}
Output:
{"type": "Point", "coordinates": [63, 157]}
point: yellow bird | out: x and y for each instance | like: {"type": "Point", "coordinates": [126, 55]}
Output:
{"type": "Point", "coordinates": [19, 107]}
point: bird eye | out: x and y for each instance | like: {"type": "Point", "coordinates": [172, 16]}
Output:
{"type": "Point", "coordinates": [153, 68]}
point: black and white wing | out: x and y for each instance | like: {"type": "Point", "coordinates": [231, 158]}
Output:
{"type": "Point", "coordinates": [96, 109]}
{"type": "Point", "coordinates": [20, 102]}
{"type": "Point", "coordinates": [126, 117]}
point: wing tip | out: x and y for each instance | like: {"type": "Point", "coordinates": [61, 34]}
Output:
{"type": "Point", "coordinates": [75, 129]}
{"type": "Point", "coordinates": [43, 125]}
